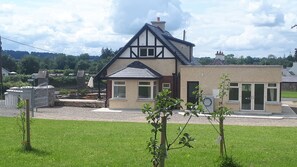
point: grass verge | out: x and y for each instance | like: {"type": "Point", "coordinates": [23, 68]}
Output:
{"type": "Point", "coordinates": [289, 94]}
{"type": "Point", "coordinates": [87, 143]}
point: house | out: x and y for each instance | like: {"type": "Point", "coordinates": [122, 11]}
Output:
{"type": "Point", "coordinates": [289, 79]}
{"type": "Point", "coordinates": [154, 60]}
{"type": "Point", "coordinates": [5, 72]}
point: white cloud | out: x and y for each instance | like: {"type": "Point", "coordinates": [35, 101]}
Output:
{"type": "Point", "coordinates": [246, 27]}
{"type": "Point", "coordinates": [262, 13]}
{"type": "Point", "coordinates": [129, 16]}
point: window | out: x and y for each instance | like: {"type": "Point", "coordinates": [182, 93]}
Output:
{"type": "Point", "coordinates": [147, 89]}
{"type": "Point", "coordinates": [144, 52]}
{"type": "Point", "coordinates": [119, 89]}
{"type": "Point", "coordinates": [155, 90]}
{"type": "Point", "coordinates": [233, 91]}
{"type": "Point", "coordinates": [144, 90]}
{"type": "Point", "coordinates": [166, 86]}
{"type": "Point", "coordinates": [151, 52]}
{"type": "Point", "coordinates": [271, 92]}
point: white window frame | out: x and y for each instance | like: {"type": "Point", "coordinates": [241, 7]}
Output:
{"type": "Point", "coordinates": [234, 87]}
{"type": "Point", "coordinates": [272, 87]}
{"type": "Point", "coordinates": [147, 52]}
{"type": "Point", "coordinates": [118, 84]}
{"type": "Point", "coordinates": [166, 85]}
{"type": "Point", "coordinates": [152, 86]}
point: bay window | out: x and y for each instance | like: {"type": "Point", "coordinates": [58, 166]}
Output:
{"type": "Point", "coordinates": [119, 89]}
{"type": "Point", "coordinates": [147, 89]}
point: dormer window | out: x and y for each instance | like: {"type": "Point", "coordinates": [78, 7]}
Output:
{"type": "Point", "coordinates": [147, 52]}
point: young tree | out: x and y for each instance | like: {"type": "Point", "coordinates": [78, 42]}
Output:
{"type": "Point", "coordinates": [220, 114]}
{"type": "Point", "coordinates": [157, 117]}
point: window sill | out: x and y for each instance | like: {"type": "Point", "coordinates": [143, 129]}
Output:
{"type": "Point", "coordinates": [118, 99]}
{"type": "Point", "coordinates": [147, 100]}
{"type": "Point", "coordinates": [232, 102]}
{"type": "Point", "coordinates": [273, 103]}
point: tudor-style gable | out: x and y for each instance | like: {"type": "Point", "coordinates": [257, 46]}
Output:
{"type": "Point", "coordinates": [146, 46]}
{"type": "Point", "coordinates": [152, 42]}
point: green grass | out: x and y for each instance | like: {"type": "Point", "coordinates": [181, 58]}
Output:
{"type": "Point", "coordinates": [289, 94]}
{"type": "Point", "coordinates": [87, 143]}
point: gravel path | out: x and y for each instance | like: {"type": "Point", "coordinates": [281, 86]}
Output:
{"type": "Point", "coordinates": [92, 114]}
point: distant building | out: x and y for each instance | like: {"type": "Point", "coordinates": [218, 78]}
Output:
{"type": "Point", "coordinates": [42, 77]}
{"type": "Point", "coordinates": [5, 72]}
{"type": "Point", "coordinates": [80, 78]}
{"type": "Point", "coordinates": [219, 59]}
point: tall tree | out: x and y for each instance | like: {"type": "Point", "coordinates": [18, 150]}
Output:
{"type": "Point", "coordinates": [61, 61]}
{"type": "Point", "coordinates": [82, 65]}
{"type": "Point", "coordinates": [29, 64]}
{"type": "Point", "coordinates": [9, 63]}
{"type": "Point", "coordinates": [84, 56]}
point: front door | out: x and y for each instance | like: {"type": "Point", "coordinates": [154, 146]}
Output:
{"type": "Point", "coordinates": [252, 97]}
{"type": "Point", "coordinates": [191, 86]}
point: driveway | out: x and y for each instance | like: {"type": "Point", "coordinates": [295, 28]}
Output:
{"type": "Point", "coordinates": [103, 114]}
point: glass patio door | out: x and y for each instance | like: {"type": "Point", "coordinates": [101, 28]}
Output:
{"type": "Point", "coordinates": [259, 97]}
{"type": "Point", "coordinates": [252, 97]}
{"type": "Point", "coordinates": [246, 94]}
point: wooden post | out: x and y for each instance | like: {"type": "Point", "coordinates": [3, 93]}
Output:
{"type": "Point", "coordinates": [28, 144]}
{"type": "Point", "coordinates": [163, 141]}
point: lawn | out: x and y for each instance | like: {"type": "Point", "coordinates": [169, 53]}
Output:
{"type": "Point", "coordinates": [289, 94]}
{"type": "Point", "coordinates": [88, 143]}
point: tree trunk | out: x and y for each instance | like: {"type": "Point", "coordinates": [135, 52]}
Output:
{"type": "Point", "coordinates": [163, 142]}
{"type": "Point", "coordinates": [222, 141]}
{"type": "Point", "coordinates": [27, 143]}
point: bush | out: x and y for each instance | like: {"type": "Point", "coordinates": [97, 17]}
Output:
{"type": "Point", "coordinates": [82, 92]}
{"type": "Point", "coordinates": [228, 162]}
{"type": "Point", "coordinates": [62, 81]}
{"type": "Point", "coordinates": [64, 92]}
{"type": "Point", "coordinates": [17, 78]}
{"type": "Point", "coordinates": [7, 85]}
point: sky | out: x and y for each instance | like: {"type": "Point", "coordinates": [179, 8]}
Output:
{"type": "Point", "coordinates": [254, 28]}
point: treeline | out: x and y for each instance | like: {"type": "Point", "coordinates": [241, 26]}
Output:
{"type": "Point", "coordinates": [285, 61]}
{"type": "Point", "coordinates": [32, 62]}
{"type": "Point", "coordinates": [20, 54]}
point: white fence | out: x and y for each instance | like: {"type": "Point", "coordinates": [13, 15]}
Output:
{"type": "Point", "coordinates": [39, 96]}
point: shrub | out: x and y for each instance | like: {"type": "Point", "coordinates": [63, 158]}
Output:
{"type": "Point", "coordinates": [228, 162]}
{"type": "Point", "coordinates": [62, 81]}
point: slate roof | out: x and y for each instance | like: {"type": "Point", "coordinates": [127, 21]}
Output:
{"type": "Point", "coordinates": [289, 79]}
{"type": "Point", "coordinates": [163, 36]}
{"type": "Point", "coordinates": [135, 70]}
{"type": "Point", "coordinates": [218, 62]}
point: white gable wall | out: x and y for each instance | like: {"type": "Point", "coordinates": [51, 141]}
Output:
{"type": "Point", "coordinates": [151, 39]}
{"type": "Point", "coordinates": [142, 39]}
{"type": "Point", "coordinates": [167, 53]}
{"type": "Point", "coordinates": [146, 38]}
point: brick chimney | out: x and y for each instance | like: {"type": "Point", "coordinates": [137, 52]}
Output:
{"type": "Point", "coordinates": [158, 23]}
